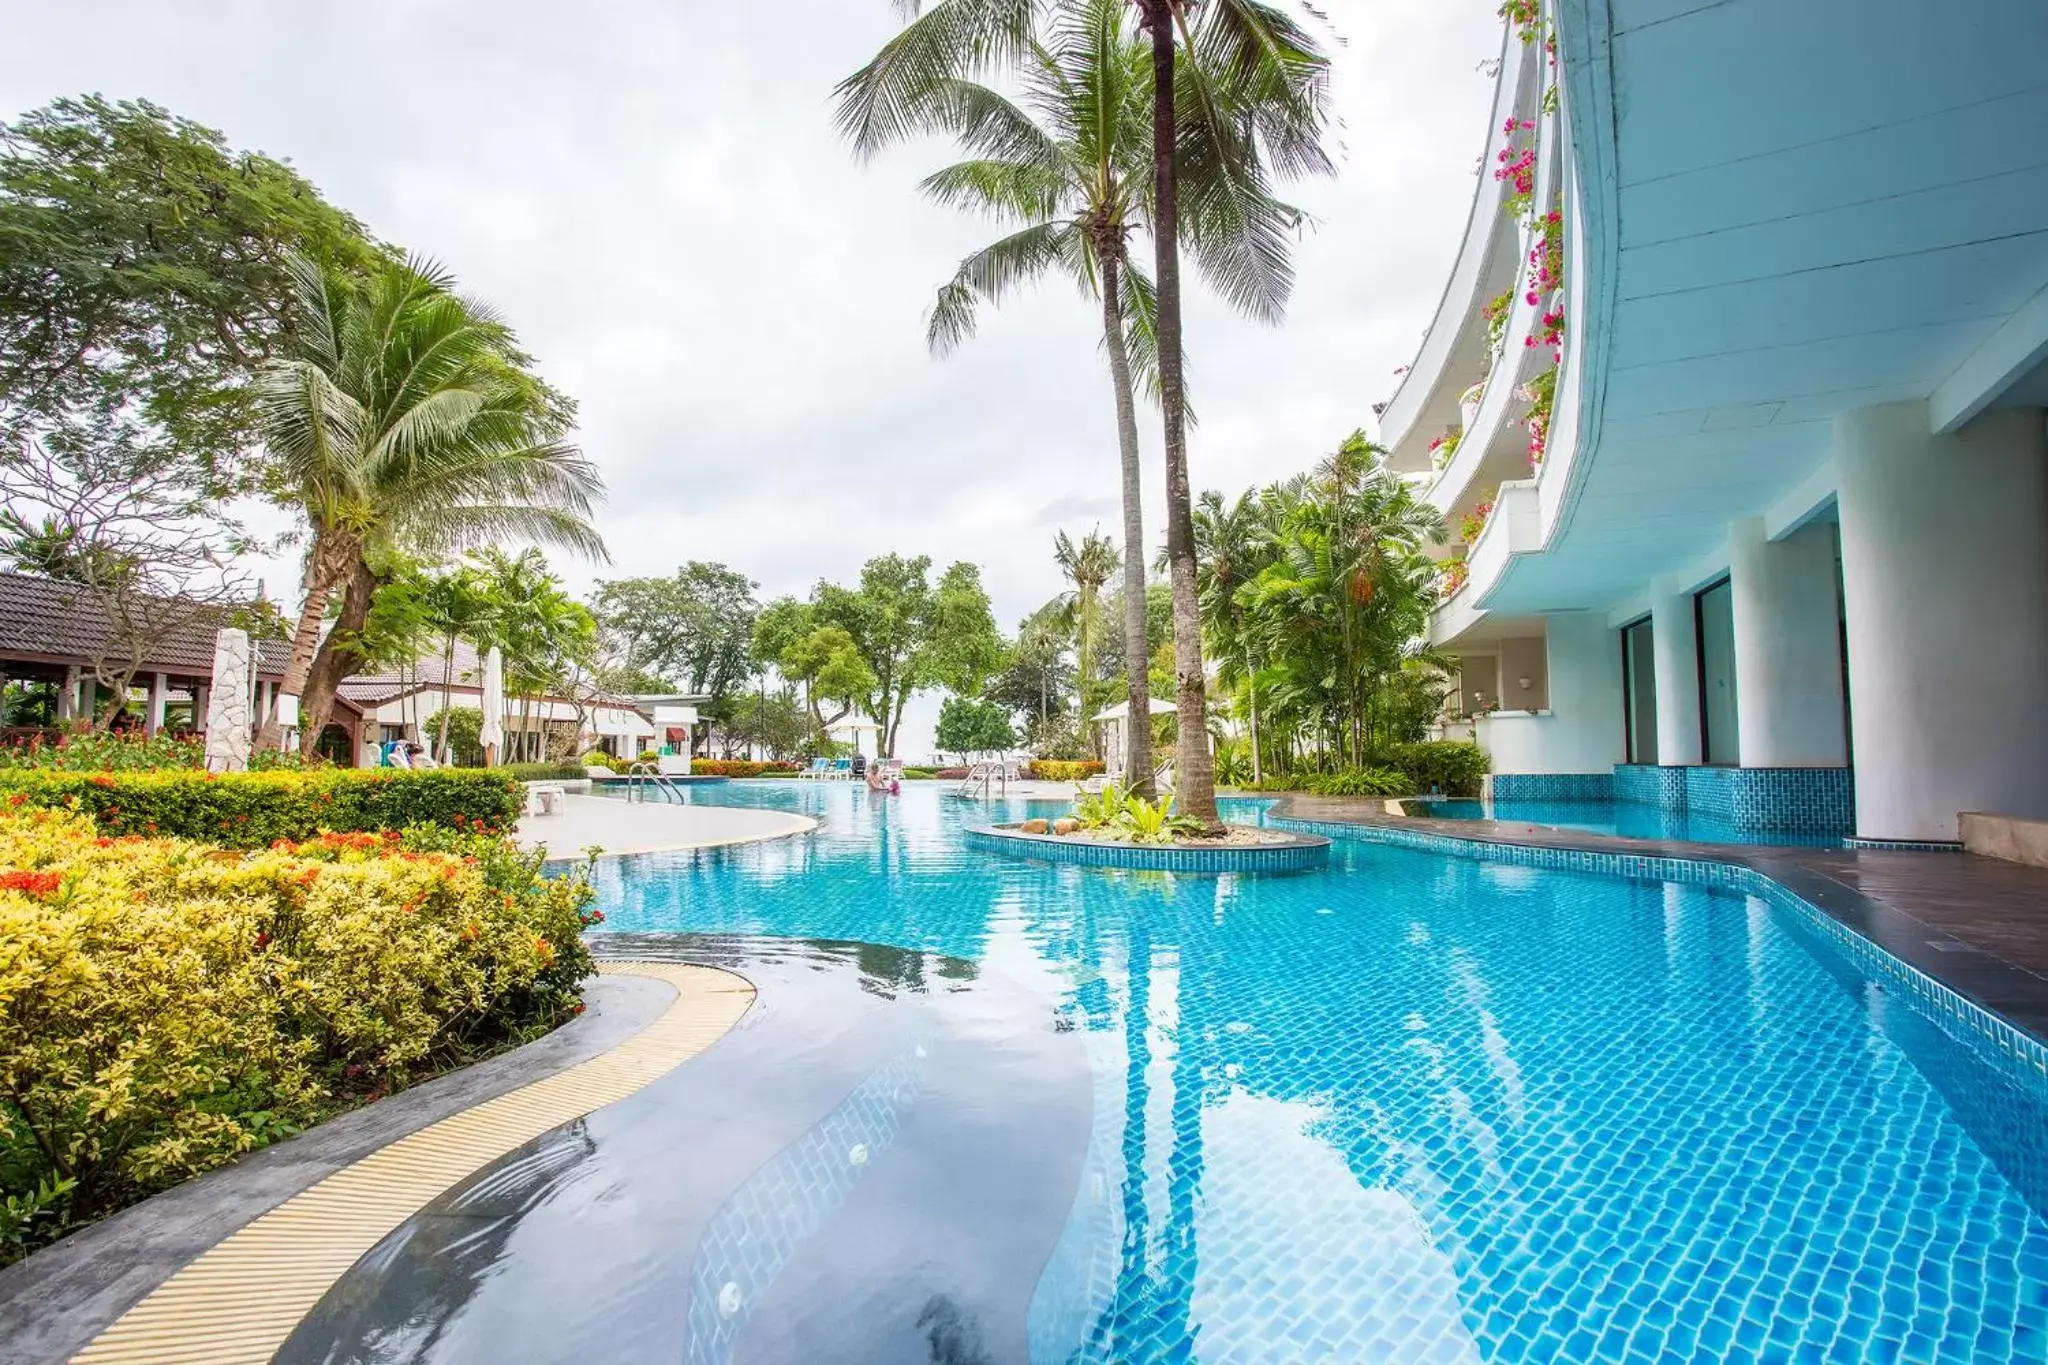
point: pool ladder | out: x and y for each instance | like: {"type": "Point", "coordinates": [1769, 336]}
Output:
{"type": "Point", "coordinates": [641, 776]}
{"type": "Point", "coordinates": [983, 780]}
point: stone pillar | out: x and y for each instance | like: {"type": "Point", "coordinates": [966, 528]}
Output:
{"type": "Point", "coordinates": [1674, 643]}
{"type": "Point", "coordinates": [1945, 580]}
{"type": "Point", "coordinates": [67, 697]}
{"type": "Point", "coordinates": [227, 715]}
{"type": "Point", "coordinates": [159, 687]}
{"type": "Point", "coordinates": [1788, 647]}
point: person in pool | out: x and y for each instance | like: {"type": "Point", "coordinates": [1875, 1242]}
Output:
{"type": "Point", "coordinates": [880, 780]}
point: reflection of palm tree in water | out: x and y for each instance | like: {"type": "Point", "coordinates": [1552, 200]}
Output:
{"type": "Point", "coordinates": [1152, 1309]}
{"type": "Point", "coordinates": [1105, 1340]}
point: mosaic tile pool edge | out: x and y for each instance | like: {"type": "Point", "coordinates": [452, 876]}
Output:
{"type": "Point", "coordinates": [2020, 1049]}
{"type": "Point", "coordinates": [1799, 800]}
{"type": "Point", "coordinates": [1281, 858]}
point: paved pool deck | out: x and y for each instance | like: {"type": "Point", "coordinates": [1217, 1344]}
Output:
{"type": "Point", "coordinates": [1977, 925]}
{"type": "Point", "coordinates": [617, 827]}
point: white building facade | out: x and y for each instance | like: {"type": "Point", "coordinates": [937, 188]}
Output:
{"type": "Point", "coordinates": [1734, 400]}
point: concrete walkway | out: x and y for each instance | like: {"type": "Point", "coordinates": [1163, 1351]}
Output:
{"type": "Point", "coordinates": [621, 827]}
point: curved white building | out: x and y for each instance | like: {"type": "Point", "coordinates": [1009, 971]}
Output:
{"type": "Point", "coordinates": [1786, 547]}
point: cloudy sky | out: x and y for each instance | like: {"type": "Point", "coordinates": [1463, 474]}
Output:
{"type": "Point", "coordinates": [655, 196]}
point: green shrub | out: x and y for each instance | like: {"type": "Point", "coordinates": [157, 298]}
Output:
{"type": "Point", "coordinates": [171, 1005]}
{"type": "Point", "coordinates": [1061, 770]}
{"type": "Point", "coordinates": [250, 810]}
{"type": "Point", "coordinates": [544, 772]}
{"type": "Point", "coordinates": [94, 751]}
{"type": "Point", "coordinates": [739, 767]}
{"type": "Point", "coordinates": [465, 735]}
{"type": "Point", "coordinates": [1361, 782]}
{"type": "Point", "coordinates": [1454, 767]}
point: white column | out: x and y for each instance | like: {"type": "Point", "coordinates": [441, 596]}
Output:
{"type": "Point", "coordinates": [1788, 647]}
{"type": "Point", "coordinates": [1674, 643]}
{"type": "Point", "coordinates": [227, 716]}
{"type": "Point", "coordinates": [1945, 578]}
{"type": "Point", "coordinates": [67, 697]}
{"type": "Point", "coordinates": [1585, 694]}
{"type": "Point", "coordinates": [159, 685]}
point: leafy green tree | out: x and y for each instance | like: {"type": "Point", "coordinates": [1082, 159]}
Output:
{"type": "Point", "coordinates": [1037, 682]}
{"type": "Point", "coordinates": [1073, 170]}
{"type": "Point", "coordinates": [696, 626]}
{"type": "Point", "coordinates": [144, 275]}
{"type": "Point", "coordinates": [406, 418]}
{"type": "Point", "coordinates": [775, 721]}
{"type": "Point", "coordinates": [968, 726]}
{"type": "Point", "coordinates": [829, 665]}
{"type": "Point", "coordinates": [912, 634]}
{"type": "Point", "coordinates": [781, 624]}
{"type": "Point", "coordinates": [964, 649]}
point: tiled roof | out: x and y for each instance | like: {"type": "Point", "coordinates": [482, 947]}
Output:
{"type": "Point", "coordinates": [50, 617]}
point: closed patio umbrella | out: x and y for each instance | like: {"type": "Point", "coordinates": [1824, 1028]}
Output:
{"type": "Point", "coordinates": [491, 734]}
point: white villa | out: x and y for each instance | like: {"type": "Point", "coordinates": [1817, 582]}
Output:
{"type": "Point", "coordinates": [1779, 551]}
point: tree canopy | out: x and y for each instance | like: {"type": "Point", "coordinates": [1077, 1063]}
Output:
{"type": "Point", "coordinates": [695, 626]}
{"type": "Point", "coordinates": [144, 275]}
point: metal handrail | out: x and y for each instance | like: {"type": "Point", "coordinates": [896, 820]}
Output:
{"type": "Point", "coordinates": [641, 774]}
{"type": "Point", "coordinates": [987, 775]}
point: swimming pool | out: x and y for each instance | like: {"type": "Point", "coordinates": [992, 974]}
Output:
{"type": "Point", "coordinates": [1409, 1108]}
{"type": "Point", "coordinates": [1629, 819]}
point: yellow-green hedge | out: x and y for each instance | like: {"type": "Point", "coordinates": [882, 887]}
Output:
{"type": "Point", "coordinates": [166, 1005]}
{"type": "Point", "coordinates": [253, 810]}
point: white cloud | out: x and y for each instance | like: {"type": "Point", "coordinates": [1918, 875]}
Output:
{"type": "Point", "coordinates": [655, 196]}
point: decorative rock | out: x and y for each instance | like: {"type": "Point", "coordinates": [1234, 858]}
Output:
{"type": "Point", "coordinates": [1034, 827]}
{"type": "Point", "coordinates": [1065, 826]}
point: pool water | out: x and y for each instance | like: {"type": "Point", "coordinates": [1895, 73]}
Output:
{"type": "Point", "coordinates": [1410, 1107]}
{"type": "Point", "coordinates": [1629, 819]}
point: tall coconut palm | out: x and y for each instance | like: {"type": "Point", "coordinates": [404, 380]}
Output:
{"type": "Point", "coordinates": [406, 418]}
{"type": "Point", "coordinates": [1254, 107]}
{"type": "Point", "coordinates": [1257, 98]}
{"type": "Point", "coordinates": [1088, 566]}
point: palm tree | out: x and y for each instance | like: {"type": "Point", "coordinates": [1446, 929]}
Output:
{"type": "Point", "coordinates": [1078, 187]}
{"type": "Point", "coordinates": [1232, 544]}
{"type": "Point", "coordinates": [406, 418]}
{"type": "Point", "coordinates": [1264, 84]}
{"type": "Point", "coordinates": [1089, 566]}
{"type": "Point", "coordinates": [1069, 167]}
{"type": "Point", "coordinates": [458, 606]}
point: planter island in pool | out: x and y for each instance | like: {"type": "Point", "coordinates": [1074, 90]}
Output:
{"type": "Point", "coordinates": [1272, 851]}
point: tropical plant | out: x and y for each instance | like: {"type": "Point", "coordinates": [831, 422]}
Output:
{"type": "Point", "coordinates": [1089, 567]}
{"type": "Point", "coordinates": [1315, 594]}
{"type": "Point", "coordinates": [406, 417]}
{"type": "Point", "coordinates": [1078, 181]}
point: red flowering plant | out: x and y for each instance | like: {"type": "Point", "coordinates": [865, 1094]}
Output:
{"type": "Point", "coordinates": [1474, 521]}
{"type": "Point", "coordinates": [1452, 575]}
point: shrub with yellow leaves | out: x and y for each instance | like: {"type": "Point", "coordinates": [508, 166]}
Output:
{"type": "Point", "coordinates": [166, 1005]}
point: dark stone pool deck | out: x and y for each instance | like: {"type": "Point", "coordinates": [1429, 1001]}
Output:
{"type": "Point", "coordinates": [1977, 925]}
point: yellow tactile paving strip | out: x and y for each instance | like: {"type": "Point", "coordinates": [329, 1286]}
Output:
{"type": "Point", "coordinates": [239, 1301]}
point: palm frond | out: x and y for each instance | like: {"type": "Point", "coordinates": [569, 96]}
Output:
{"type": "Point", "coordinates": [989, 275]}
{"type": "Point", "coordinates": [892, 97]}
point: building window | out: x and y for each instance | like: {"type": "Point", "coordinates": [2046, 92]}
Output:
{"type": "Point", "coordinates": [1639, 691]}
{"type": "Point", "coordinates": [1714, 617]}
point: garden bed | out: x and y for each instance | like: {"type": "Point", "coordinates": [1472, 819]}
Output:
{"type": "Point", "coordinates": [1241, 848]}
